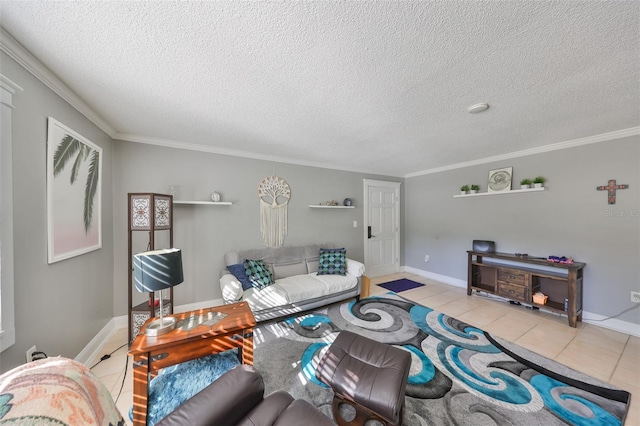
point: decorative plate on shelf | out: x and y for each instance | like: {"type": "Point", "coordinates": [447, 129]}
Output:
{"type": "Point", "coordinates": [500, 180]}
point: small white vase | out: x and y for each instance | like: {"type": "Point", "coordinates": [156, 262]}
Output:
{"type": "Point", "coordinates": [215, 197]}
{"type": "Point", "coordinates": [524, 186]}
{"type": "Point", "coordinates": [463, 192]}
{"type": "Point", "coordinates": [537, 185]}
{"type": "Point", "coordinates": [473, 191]}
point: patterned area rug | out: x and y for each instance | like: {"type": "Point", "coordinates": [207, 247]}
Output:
{"type": "Point", "coordinates": [460, 375]}
{"type": "Point", "coordinates": [400, 285]}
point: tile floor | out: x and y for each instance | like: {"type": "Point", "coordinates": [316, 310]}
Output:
{"type": "Point", "coordinates": [607, 355]}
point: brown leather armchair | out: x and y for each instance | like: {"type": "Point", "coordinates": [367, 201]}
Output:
{"type": "Point", "coordinates": [237, 398]}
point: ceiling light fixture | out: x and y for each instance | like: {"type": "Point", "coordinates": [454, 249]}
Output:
{"type": "Point", "coordinates": [474, 109]}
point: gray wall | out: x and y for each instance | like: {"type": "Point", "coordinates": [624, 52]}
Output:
{"type": "Point", "coordinates": [205, 233]}
{"type": "Point", "coordinates": [570, 218]}
{"type": "Point", "coordinates": [58, 307]}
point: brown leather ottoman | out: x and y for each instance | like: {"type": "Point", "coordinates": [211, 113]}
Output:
{"type": "Point", "coordinates": [368, 375]}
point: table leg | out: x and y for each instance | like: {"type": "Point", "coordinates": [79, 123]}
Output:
{"type": "Point", "coordinates": [140, 389]}
{"type": "Point", "coordinates": [247, 346]}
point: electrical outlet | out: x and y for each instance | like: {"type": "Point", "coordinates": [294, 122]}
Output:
{"type": "Point", "coordinates": [426, 257]}
{"type": "Point", "coordinates": [29, 353]}
{"type": "Point", "coordinates": [635, 296]}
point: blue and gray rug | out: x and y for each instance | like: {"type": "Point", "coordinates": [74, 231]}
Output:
{"type": "Point", "coordinates": [460, 375]}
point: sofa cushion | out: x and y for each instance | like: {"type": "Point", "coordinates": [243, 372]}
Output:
{"type": "Point", "coordinates": [266, 298]}
{"type": "Point", "coordinates": [312, 265]}
{"type": "Point", "coordinates": [305, 287]}
{"type": "Point", "coordinates": [289, 269]}
{"type": "Point", "coordinates": [240, 273]}
{"type": "Point", "coordinates": [258, 273]}
{"type": "Point", "coordinates": [332, 262]}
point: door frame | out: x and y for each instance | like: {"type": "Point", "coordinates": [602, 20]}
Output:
{"type": "Point", "coordinates": [381, 183]}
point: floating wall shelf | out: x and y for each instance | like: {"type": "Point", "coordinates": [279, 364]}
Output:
{"type": "Point", "coordinates": [513, 191]}
{"type": "Point", "coordinates": [317, 206]}
{"type": "Point", "coordinates": [205, 203]}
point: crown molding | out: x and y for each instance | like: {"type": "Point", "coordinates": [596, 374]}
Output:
{"type": "Point", "coordinates": [24, 58]}
{"type": "Point", "coordinates": [604, 137]}
{"type": "Point", "coordinates": [9, 85]}
{"type": "Point", "coordinates": [235, 153]}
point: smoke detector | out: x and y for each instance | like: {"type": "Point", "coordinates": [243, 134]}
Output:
{"type": "Point", "coordinates": [474, 109]}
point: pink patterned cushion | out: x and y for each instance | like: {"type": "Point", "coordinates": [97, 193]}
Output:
{"type": "Point", "coordinates": [56, 391]}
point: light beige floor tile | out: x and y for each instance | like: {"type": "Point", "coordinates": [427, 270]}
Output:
{"type": "Point", "coordinates": [481, 317]}
{"type": "Point", "coordinates": [628, 369]}
{"type": "Point", "coordinates": [544, 340]}
{"type": "Point", "coordinates": [455, 309]}
{"type": "Point", "coordinates": [387, 278]}
{"type": "Point", "coordinates": [510, 326]}
{"type": "Point", "coordinates": [422, 292]}
{"type": "Point", "coordinates": [438, 299]}
{"type": "Point", "coordinates": [598, 336]}
{"type": "Point", "coordinates": [598, 366]}
{"type": "Point", "coordinates": [374, 290]}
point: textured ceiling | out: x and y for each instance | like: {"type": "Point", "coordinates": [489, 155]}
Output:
{"type": "Point", "coordinates": [373, 86]}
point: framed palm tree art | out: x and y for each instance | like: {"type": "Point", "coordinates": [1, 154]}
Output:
{"type": "Point", "coordinates": [74, 183]}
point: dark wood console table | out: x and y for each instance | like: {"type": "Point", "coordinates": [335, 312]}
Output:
{"type": "Point", "coordinates": [518, 282]}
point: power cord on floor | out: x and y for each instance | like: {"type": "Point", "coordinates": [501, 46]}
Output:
{"type": "Point", "coordinates": [126, 367]}
{"type": "Point", "coordinates": [613, 316]}
{"type": "Point", "coordinates": [107, 356]}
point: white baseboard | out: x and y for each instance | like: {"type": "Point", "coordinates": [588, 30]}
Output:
{"type": "Point", "coordinates": [611, 324]}
{"type": "Point", "coordinates": [433, 276]}
{"type": "Point", "coordinates": [587, 317]}
{"type": "Point", "coordinates": [94, 347]}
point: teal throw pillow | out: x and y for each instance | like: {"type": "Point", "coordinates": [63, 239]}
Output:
{"type": "Point", "coordinates": [333, 262]}
{"type": "Point", "coordinates": [258, 273]}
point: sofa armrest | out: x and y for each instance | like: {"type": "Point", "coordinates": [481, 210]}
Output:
{"type": "Point", "coordinates": [231, 288]}
{"type": "Point", "coordinates": [225, 401]}
{"type": "Point", "coordinates": [355, 268]}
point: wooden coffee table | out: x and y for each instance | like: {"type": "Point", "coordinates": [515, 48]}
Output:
{"type": "Point", "coordinates": [189, 342]}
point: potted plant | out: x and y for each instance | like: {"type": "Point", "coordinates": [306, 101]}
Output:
{"type": "Point", "coordinates": [464, 189]}
{"type": "Point", "coordinates": [474, 189]}
{"type": "Point", "coordinates": [538, 181]}
{"type": "Point", "coordinates": [524, 183]}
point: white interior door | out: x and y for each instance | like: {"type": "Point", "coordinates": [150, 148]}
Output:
{"type": "Point", "coordinates": [382, 227]}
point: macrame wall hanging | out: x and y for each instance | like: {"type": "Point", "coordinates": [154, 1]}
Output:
{"type": "Point", "coordinates": [274, 193]}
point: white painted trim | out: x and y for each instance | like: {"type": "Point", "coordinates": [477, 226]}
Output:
{"type": "Point", "coordinates": [7, 84]}
{"type": "Point", "coordinates": [93, 348]}
{"type": "Point", "coordinates": [611, 324]}
{"type": "Point", "coordinates": [604, 137]}
{"type": "Point", "coordinates": [7, 285]}
{"type": "Point", "coordinates": [587, 317]}
{"type": "Point", "coordinates": [235, 153]}
{"type": "Point", "coordinates": [22, 56]}
{"type": "Point", "coordinates": [437, 277]}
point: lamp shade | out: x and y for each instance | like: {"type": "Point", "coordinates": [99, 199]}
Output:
{"type": "Point", "coordinates": [158, 269]}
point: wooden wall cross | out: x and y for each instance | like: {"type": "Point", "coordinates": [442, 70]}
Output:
{"type": "Point", "coordinates": [611, 188]}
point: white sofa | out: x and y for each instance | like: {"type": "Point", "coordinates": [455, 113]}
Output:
{"type": "Point", "coordinates": [297, 286]}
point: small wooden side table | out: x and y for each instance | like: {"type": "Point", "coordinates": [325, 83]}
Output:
{"type": "Point", "coordinates": [192, 341]}
{"type": "Point", "coordinates": [366, 287]}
